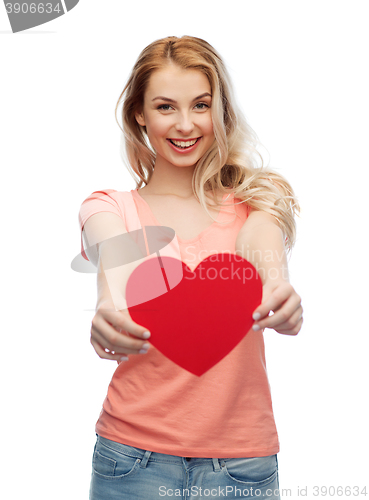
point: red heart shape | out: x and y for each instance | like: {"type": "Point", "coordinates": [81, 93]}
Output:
{"type": "Point", "coordinates": [195, 318]}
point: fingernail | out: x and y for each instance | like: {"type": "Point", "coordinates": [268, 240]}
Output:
{"type": "Point", "coordinates": [146, 335]}
{"type": "Point", "coordinates": [145, 346]}
{"type": "Point", "coordinates": [256, 327]}
{"type": "Point", "coordinates": [256, 316]}
{"type": "Point", "coordinates": [142, 351]}
{"type": "Point", "coordinates": [124, 358]}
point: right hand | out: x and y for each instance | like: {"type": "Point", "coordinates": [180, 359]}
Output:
{"type": "Point", "coordinates": [116, 332]}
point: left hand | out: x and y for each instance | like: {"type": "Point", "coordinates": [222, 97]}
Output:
{"type": "Point", "coordinates": [281, 298]}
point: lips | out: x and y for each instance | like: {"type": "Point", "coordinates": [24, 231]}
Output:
{"type": "Point", "coordinates": [183, 143]}
{"type": "Point", "coordinates": [179, 148]}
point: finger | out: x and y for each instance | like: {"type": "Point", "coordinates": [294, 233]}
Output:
{"type": "Point", "coordinates": [290, 323]}
{"type": "Point", "coordinates": [118, 350]}
{"type": "Point", "coordinates": [115, 340]}
{"type": "Point", "coordinates": [283, 314]}
{"type": "Point", "coordinates": [274, 301]}
{"type": "Point", "coordinates": [105, 344]}
{"type": "Point", "coordinates": [293, 331]}
{"type": "Point", "coordinates": [122, 320]}
{"type": "Point", "coordinates": [106, 355]}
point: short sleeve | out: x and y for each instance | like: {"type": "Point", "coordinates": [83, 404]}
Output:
{"type": "Point", "coordinates": [99, 201]}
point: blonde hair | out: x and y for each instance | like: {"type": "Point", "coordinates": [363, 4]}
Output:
{"type": "Point", "coordinates": [233, 162]}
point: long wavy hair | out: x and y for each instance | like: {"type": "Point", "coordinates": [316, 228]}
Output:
{"type": "Point", "coordinates": [233, 162]}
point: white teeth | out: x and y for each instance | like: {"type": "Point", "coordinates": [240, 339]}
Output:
{"type": "Point", "coordinates": [183, 144]}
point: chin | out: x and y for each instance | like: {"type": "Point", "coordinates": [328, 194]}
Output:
{"type": "Point", "coordinates": [182, 164]}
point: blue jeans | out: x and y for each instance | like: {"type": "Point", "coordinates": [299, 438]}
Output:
{"type": "Point", "coordinates": [121, 472]}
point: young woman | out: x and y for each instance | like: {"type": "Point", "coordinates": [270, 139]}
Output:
{"type": "Point", "coordinates": [164, 431]}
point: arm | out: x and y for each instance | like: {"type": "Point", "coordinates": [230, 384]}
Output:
{"type": "Point", "coordinates": [109, 248]}
{"type": "Point", "coordinates": [261, 242]}
{"type": "Point", "coordinates": [114, 253]}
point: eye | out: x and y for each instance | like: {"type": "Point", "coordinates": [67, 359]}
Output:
{"type": "Point", "coordinates": [164, 107]}
{"type": "Point", "coordinates": [202, 105]}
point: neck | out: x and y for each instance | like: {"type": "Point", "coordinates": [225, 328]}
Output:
{"type": "Point", "coordinates": [169, 179]}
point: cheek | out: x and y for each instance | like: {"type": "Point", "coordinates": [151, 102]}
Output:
{"type": "Point", "coordinates": [207, 126]}
{"type": "Point", "coordinates": [157, 128]}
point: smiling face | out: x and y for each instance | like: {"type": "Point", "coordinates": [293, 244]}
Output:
{"type": "Point", "coordinates": [177, 115]}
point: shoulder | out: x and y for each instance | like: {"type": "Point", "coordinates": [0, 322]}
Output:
{"type": "Point", "coordinates": [101, 195]}
{"type": "Point", "coordinates": [258, 217]}
{"type": "Point", "coordinates": [104, 199]}
{"type": "Point", "coordinates": [101, 217]}
{"type": "Point", "coordinates": [100, 206]}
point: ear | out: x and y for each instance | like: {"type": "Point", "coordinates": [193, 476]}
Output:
{"type": "Point", "coordinates": [140, 118]}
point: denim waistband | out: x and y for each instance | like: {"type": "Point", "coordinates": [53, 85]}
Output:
{"type": "Point", "coordinates": [145, 455]}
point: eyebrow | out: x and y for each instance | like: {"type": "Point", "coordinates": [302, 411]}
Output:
{"type": "Point", "coordinates": [175, 102]}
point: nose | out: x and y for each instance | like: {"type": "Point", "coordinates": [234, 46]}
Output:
{"type": "Point", "coordinates": [184, 124]}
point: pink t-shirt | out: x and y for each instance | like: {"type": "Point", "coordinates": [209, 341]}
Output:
{"type": "Point", "coordinates": [156, 405]}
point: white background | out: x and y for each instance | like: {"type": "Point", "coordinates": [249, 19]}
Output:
{"type": "Point", "coordinates": [300, 70]}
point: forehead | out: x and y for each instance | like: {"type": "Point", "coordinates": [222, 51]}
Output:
{"type": "Point", "coordinates": [173, 81]}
